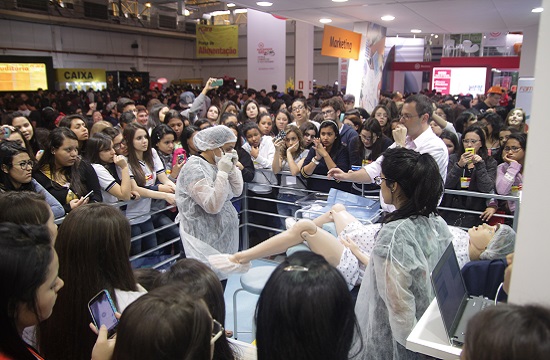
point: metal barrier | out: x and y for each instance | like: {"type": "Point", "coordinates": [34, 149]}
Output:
{"type": "Point", "coordinates": [246, 225]}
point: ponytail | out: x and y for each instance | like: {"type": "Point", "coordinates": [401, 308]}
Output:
{"type": "Point", "coordinates": [418, 176]}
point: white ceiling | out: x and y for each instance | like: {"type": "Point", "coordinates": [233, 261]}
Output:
{"type": "Point", "coordinates": [431, 16]}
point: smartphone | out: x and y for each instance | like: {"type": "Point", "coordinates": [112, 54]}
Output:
{"type": "Point", "coordinates": [181, 158]}
{"type": "Point", "coordinates": [88, 195]}
{"type": "Point", "coordinates": [6, 132]}
{"type": "Point", "coordinates": [102, 309]}
{"type": "Point", "coordinates": [470, 150]}
{"type": "Point", "coordinates": [281, 134]}
{"type": "Point", "coordinates": [217, 82]}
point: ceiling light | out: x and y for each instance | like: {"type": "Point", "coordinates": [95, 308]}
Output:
{"type": "Point", "coordinates": [339, 0]}
{"type": "Point", "coordinates": [436, 36]}
{"type": "Point", "coordinates": [416, 31]}
{"type": "Point", "coordinates": [230, 5]}
{"type": "Point", "coordinates": [264, 3]}
{"type": "Point", "coordinates": [537, 10]}
{"type": "Point", "coordinates": [325, 21]}
{"type": "Point", "coordinates": [388, 17]}
{"type": "Point", "coordinates": [241, 11]}
{"type": "Point", "coordinates": [148, 4]}
{"type": "Point", "coordinates": [220, 13]}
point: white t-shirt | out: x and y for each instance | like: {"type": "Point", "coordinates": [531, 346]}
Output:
{"type": "Point", "coordinates": [106, 181]}
{"type": "Point", "coordinates": [137, 209]}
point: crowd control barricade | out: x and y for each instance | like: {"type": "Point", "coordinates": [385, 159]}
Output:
{"type": "Point", "coordinates": [149, 258]}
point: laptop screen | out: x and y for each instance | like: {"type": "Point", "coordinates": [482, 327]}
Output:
{"type": "Point", "coordinates": [450, 290]}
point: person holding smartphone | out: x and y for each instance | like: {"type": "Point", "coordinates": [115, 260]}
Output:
{"type": "Point", "coordinates": [472, 170]}
{"type": "Point", "coordinates": [64, 174]}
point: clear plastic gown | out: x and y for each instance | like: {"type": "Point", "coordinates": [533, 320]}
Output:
{"type": "Point", "coordinates": [209, 223]}
{"type": "Point", "coordinates": [396, 289]}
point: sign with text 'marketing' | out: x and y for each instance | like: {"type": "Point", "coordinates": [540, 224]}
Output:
{"type": "Point", "coordinates": [217, 41]}
{"type": "Point", "coordinates": [341, 43]}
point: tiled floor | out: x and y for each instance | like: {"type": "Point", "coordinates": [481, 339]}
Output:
{"type": "Point", "coordinates": [246, 304]}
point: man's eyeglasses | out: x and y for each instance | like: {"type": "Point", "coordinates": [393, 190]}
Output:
{"type": "Point", "coordinates": [217, 331]}
{"type": "Point", "coordinates": [407, 116]}
{"type": "Point", "coordinates": [327, 112]}
{"type": "Point", "coordinates": [513, 148]}
{"type": "Point", "coordinates": [378, 180]}
{"type": "Point", "coordinates": [24, 165]}
{"type": "Point", "coordinates": [119, 145]}
{"type": "Point", "coordinates": [469, 141]}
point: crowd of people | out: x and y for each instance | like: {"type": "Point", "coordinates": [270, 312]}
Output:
{"type": "Point", "coordinates": [181, 157]}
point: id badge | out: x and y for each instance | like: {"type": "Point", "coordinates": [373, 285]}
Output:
{"type": "Point", "coordinates": [465, 182]}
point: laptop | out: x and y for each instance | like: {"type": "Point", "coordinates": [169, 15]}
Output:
{"type": "Point", "coordinates": [455, 304]}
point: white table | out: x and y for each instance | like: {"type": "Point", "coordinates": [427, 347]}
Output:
{"type": "Point", "coordinates": [429, 336]}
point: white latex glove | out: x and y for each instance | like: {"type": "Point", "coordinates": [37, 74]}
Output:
{"type": "Point", "coordinates": [235, 156]}
{"type": "Point", "coordinates": [226, 163]}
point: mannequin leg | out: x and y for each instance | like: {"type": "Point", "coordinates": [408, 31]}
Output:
{"type": "Point", "coordinates": [319, 240]}
{"type": "Point", "coordinates": [323, 219]}
{"type": "Point", "coordinates": [341, 217]}
{"type": "Point", "coordinates": [278, 243]}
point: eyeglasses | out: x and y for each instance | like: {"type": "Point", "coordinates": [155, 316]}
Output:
{"type": "Point", "coordinates": [470, 141]}
{"type": "Point", "coordinates": [369, 138]}
{"type": "Point", "coordinates": [24, 165]}
{"type": "Point", "coordinates": [378, 180]}
{"type": "Point", "coordinates": [407, 116]}
{"type": "Point", "coordinates": [217, 331]}
{"type": "Point", "coordinates": [513, 148]}
{"type": "Point", "coordinates": [119, 145]}
{"type": "Point", "coordinates": [297, 108]}
{"type": "Point", "coordinates": [327, 113]}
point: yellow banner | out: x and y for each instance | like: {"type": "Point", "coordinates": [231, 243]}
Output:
{"type": "Point", "coordinates": [217, 41]}
{"type": "Point", "coordinates": [22, 77]}
{"type": "Point", "coordinates": [80, 75]}
{"type": "Point", "coordinates": [340, 43]}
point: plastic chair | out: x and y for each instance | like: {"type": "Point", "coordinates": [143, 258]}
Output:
{"type": "Point", "coordinates": [253, 282]}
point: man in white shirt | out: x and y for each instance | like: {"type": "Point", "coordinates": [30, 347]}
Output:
{"type": "Point", "coordinates": [415, 134]}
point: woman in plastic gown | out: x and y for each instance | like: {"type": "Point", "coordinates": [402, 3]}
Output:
{"type": "Point", "coordinates": [396, 288]}
{"type": "Point", "coordinates": [208, 221]}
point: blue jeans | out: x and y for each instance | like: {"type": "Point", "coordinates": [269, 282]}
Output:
{"type": "Point", "coordinates": [162, 219]}
{"type": "Point", "coordinates": [145, 243]}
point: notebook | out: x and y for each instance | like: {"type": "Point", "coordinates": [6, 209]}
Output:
{"type": "Point", "coordinates": [455, 304]}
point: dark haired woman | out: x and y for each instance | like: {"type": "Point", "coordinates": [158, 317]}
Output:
{"type": "Point", "coordinates": [77, 123]}
{"type": "Point", "coordinates": [250, 111]}
{"type": "Point", "coordinates": [367, 147]}
{"type": "Point", "coordinates": [166, 324]}
{"type": "Point", "coordinates": [63, 173]}
{"type": "Point", "coordinates": [163, 140]}
{"type": "Point", "coordinates": [245, 163]}
{"type": "Point", "coordinates": [509, 174]}
{"type": "Point", "coordinates": [327, 152]}
{"type": "Point", "coordinates": [511, 332]}
{"type": "Point", "coordinates": [451, 141]}
{"type": "Point", "coordinates": [199, 281]}
{"type": "Point", "coordinates": [145, 167]}
{"type": "Point", "coordinates": [286, 328]}
{"type": "Point", "coordinates": [29, 282]}
{"type": "Point", "coordinates": [187, 143]}
{"type": "Point", "coordinates": [396, 288]}
{"type": "Point", "coordinates": [16, 174]}
{"type": "Point", "coordinates": [492, 124]}
{"type": "Point", "coordinates": [383, 116]}
{"type": "Point", "coordinates": [111, 169]}
{"type": "Point", "coordinates": [472, 170]}
{"type": "Point", "coordinates": [93, 244]}
{"type": "Point", "coordinates": [289, 156]}
{"type": "Point", "coordinates": [21, 123]}
{"type": "Point", "coordinates": [310, 132]}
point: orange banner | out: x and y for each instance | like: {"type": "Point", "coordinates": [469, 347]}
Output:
{"type": "Point", "coordinates": [341, 43]}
